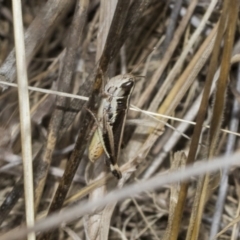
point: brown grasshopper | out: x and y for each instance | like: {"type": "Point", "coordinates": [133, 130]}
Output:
{"type": "Point", "coordinates": [108, 137]}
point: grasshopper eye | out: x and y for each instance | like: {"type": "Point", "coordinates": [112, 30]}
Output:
{"type": "Point", "coordinates": [127, 84]}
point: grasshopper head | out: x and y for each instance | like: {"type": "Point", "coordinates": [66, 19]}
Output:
{"type": "Point", "coordinates": [120, 86]}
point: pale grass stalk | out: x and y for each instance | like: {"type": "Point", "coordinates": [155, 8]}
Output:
{"type": "Point", "coordinates": [151, 184]}
{"type": "Point", "coordinates": [24, 110]}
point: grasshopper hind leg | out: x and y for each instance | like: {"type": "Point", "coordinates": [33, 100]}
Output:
{"type": "Point", "coordinates": [114, 169]}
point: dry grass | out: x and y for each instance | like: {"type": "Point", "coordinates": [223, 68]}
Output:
{"type": "Point", "coordinates": [188, 52]}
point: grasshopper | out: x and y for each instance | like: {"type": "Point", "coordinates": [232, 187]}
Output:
{"type": "Point", "coordinates": [114, 108]}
